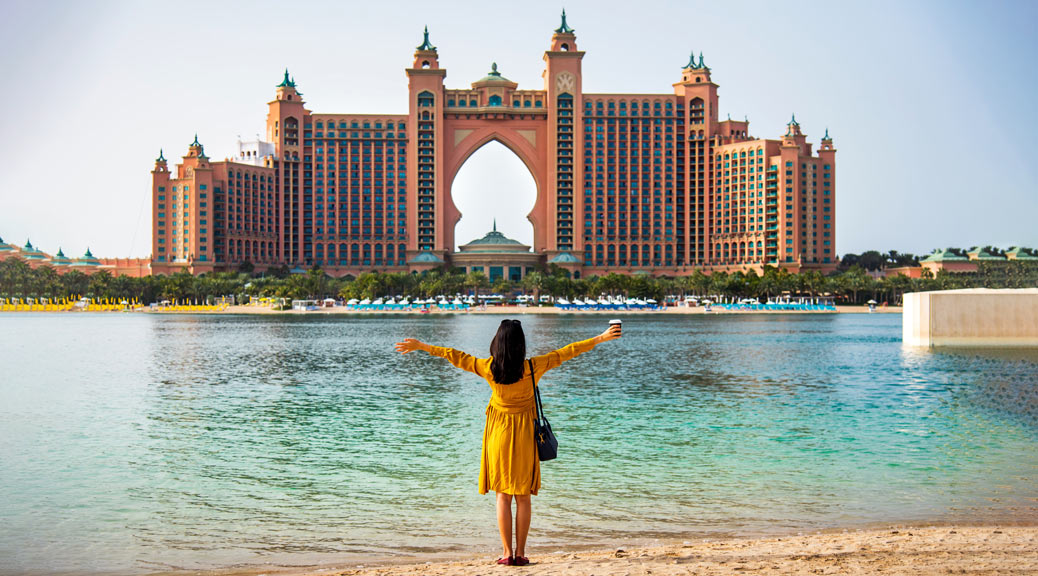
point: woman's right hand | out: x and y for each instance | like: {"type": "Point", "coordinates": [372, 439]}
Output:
{"type": "Point", "coordinates": [410, 345]}
{"type": "Point", "coordinates": [611, 334]}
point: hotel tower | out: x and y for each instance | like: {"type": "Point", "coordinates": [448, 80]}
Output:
{"type": "Point", "coordinates": [628, 183]}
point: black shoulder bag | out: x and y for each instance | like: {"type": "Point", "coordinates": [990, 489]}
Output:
{"type": "Point", "coordinates": [547, 445]}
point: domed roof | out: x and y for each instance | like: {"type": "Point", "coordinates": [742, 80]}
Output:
{"type": "Point", "coordinates": [943, 256]}
{"type": "Point", "coordinates": [496, 242]}
{"type": "Point", "coordinates": [426, 258]}
{"type": "Point", "coordinates": [494, 78]}
{"type": "Point", "coordinates": [564, 258]}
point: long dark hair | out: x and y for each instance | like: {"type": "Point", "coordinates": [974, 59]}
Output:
{"type": "Point", "coordinates": [507, 351]}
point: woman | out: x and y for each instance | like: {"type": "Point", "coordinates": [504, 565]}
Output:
{"type": "Point", "coordinates": [509, 465]}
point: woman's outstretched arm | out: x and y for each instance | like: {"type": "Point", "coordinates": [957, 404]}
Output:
{"type": "Point", "coordinates": [410, 345]}
{"type": "Point", "coordinates": [554, 358]}
{"type": "Point", "coordinates": [457, 357]}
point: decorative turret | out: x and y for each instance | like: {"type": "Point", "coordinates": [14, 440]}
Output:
{"type": "Point", "coordinates": [87, 260]}
{"type": "Point", "coordinates": [425, 55]}
{"type": "Point", "coordinates": [691, 62]}
{"type": "Point", "coordinates": [827, 141]}
{"type": "Point", "coordinates": [287, 90]}
{"type": "Point", "coordinates": [31, 253]}
{"type": "Point", "coordinates": [564, 28]}
{"type": "Point", "coordinates": [160, 163]}
{"type": "Point", "coordinates": [287, 82]}
{"type": "Point", "coordinates": [59, 259]}
{"type": "Point", "coordinates": [426, 45]}
{"type": "Point", "coordinates": [564, 39]}
{"type": "Point", "coordinates": [793, 128]}
{"type": "Point", "coordinates": [195, 150]}
{"type": "Point", "coordinates": [695, 71]}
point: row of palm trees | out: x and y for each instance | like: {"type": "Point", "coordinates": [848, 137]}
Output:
{"type": "Point", "coordinates": [853, 285]}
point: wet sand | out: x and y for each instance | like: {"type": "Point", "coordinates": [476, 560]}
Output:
{"type": "Point", "coordinates": [974, 550]}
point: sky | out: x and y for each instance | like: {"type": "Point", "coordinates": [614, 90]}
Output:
{"type": "Point", "coordinates": [927, 102]}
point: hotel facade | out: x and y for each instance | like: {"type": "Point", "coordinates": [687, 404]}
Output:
{"type": "Point", "coordinates": [649, 183]}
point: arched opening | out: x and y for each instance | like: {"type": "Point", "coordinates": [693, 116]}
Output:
{"type": "Point", "coordinates": [493, 183]}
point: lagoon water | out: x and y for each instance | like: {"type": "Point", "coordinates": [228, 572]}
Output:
{"type": "Point", "coordinates": [136, 443]}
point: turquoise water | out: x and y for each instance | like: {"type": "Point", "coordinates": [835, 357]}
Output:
{"type": "Point", "coordinates": [133, 443]}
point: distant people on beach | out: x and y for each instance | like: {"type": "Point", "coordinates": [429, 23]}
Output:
{"type": "Point", "coordinates": [510, 465]}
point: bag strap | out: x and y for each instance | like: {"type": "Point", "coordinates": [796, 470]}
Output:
{"type": "Point", "coordinates": [539, 412]}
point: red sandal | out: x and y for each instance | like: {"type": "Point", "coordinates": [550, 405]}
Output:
{"type": "Point", "coordinates": [521, 560]}
{"type": "Point", "coordinates": [506, 561]}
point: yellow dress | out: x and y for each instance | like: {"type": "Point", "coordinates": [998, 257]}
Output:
{"type": "Point", "coordinates": [510, 464]}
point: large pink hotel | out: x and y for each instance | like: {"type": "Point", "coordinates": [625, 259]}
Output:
{"type": "Point", "coordinates": [627, 183]}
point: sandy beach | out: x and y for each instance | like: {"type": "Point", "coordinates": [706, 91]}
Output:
{"type": "Point", "coordinates": [990, 549]}
{"type": "Point", "coordinates": [519, 310]}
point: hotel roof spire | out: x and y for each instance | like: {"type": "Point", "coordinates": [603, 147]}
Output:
{"type": "Point", "coordinates": [564, 28]}
{"type": "Point", "coordinates": [793, 128]}
{"type": "Point", "coordinates": [701, 64]}
{"type": "Point", "coordinates": [692, 61]}
{"type": "Point", "coordinates": [287, 82]}
{"type": "Point", "coordinates": [162, 158]}
{"type": "Point", "coordinates": [426, 45]}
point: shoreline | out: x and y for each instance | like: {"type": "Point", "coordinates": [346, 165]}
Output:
{"type": "Point", "coordinates": [511, 310]}
{"type": "Point", "coordinates": [900, 549]}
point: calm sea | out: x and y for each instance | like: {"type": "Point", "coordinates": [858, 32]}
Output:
{"type": "Point", "coordinates": [134, 443]}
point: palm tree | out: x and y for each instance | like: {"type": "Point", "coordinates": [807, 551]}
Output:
{"type": "Point", "coordinates": [476, 280]}
{"type": "Point", "coordinates": [534, 282]}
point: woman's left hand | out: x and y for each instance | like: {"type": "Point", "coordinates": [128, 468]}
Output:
{"type": "Point", "coordinates": [612, 333]}
{"type": "Point", "coordinates": [410, 345]}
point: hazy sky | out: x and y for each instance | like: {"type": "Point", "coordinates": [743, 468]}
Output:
{"type": "Point", "coordinates": [927, 102]}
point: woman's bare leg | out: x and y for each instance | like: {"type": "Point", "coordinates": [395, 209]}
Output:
{"type": "Point", "coordinates": [523, 512]}
{"type": "Point", "coordinates": [504, 522]}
